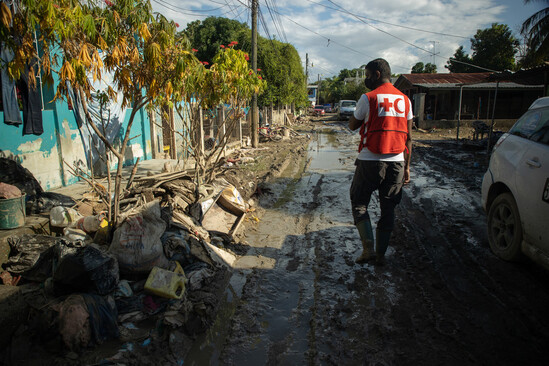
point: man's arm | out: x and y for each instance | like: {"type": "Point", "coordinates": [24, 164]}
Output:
{"type": "Point", "coordinates": [354, 123]}
{"type": "Point", "coordinates": [408, 153]}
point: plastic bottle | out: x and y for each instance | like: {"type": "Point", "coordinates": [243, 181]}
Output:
{"type": "Point", "coordinates": [63, 216]}
{"type": "Point", "coordinates": [91, 224]}
{"type": "Point", "coordinates": [166, 283]}
{"type": "Point", "coordinates": [75, 234]}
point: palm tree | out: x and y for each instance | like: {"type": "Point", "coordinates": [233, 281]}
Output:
{"type": "Point", "coordinates": [536, 30]}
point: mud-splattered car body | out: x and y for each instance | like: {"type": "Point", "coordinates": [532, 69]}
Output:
{"type": "Point", "coordinates": [515, 188]}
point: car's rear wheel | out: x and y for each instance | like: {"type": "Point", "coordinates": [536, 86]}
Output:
{"type": "Point", "coordinates": [504, 228]}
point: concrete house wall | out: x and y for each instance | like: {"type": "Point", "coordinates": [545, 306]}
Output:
{"type": "Point", "coordinates": [43, 155]}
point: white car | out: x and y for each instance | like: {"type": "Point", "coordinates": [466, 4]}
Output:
{"type": "Point", "coordinates": [515, 189]}
{"type": "Point", "coordinates": [346, 108]}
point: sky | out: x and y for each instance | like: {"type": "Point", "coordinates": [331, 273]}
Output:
{"type": "Point", "coordinates": [338, 34]}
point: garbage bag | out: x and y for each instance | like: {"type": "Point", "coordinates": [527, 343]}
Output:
{"type": "Point", "coordinates": [86, 318]}
{"type": "Point", "coordinates": [45, 201]}
{"type": "Point", "coordinates": [31, 256]}
{"type": "Point", "coordinates": [84, 269]}
{"type": "Point", "coordinates": [136, 243]}
{"type": "Point", "coordinates": [38, 201]}
{"type": "Point", "coordinates": [102, 318]}
{"type": "Point", "coordinates": [74, 325]}
{"type": "Point", "coordinates": [197, 274]}
{"type": "Point", "coordinates": [13, 173]}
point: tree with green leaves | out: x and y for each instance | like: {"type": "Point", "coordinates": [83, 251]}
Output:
{"type": "Point", "coordinates": [208, 35]}
{"type": "Point", "coordinates": [536, 31]}
{"type": "Point", "coordinates": [229, 80]}
{"type": "Point", "coordinates": [280, 65]}
{"type": "Point", "coordinates": [418, 68]}
{"type": "Point", "coordinates": [495, 48]}
{"type": "Point", "coordinates": [460, 62]}
{"type": "Point", "coordinates": [430, 68]}
{"type": "Point", "coordinates": [279, 62]}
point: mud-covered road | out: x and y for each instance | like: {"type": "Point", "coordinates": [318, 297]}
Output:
{"type": "Point", "coordinates": [442, 298]}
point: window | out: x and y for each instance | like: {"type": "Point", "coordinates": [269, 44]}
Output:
{"type": "Point", "coordinates": [533, 125]}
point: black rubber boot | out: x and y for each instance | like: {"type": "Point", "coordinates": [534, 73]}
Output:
{"type": "Point", "coordinates": [382, 243]}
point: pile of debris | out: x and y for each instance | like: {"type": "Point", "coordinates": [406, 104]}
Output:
{"type": "Point", "coordinates": [165, 263]}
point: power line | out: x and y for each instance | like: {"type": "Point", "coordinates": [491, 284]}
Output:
{"type": "Point", "coordinates": [279, 20]}
{"type": "Point", "coordinates": [381, 30]}
{"type": "Point", "coordinates": [329, 71]}
{"type": "Point", "coordinates": [231, 8]}
{"type": "Point", "coordinates": [243, 10]}
{"type": "Point", "coordinates": [384, 22]}
{"type": "Point", "coordinates": [332, 41]}
{"type": "Point", "coordinates": [276, 22]}
{"type": "Point", "coordinates": [468, 64]}
{"type": "Point", "coordinates": [184, 10]}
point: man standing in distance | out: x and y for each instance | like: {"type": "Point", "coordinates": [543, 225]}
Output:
{"type": "Point", "coordinates": [384, 116]}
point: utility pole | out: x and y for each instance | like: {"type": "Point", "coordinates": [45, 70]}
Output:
{"type": "Point", "coordinates": [318, 91]}
{"type": "Point", "coordinates": [255, 116]}
{"type": "Point", "coordinates": [306, 69]}
{"type": "Point", "coordinates": [434, 51]}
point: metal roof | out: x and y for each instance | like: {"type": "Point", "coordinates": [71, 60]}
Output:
{"type": "Point", "coordinates": [450, 78]}
{"type": "Point", "coordinates": [502, 85]}
{"type": "Point", "coordinates": [479, 80]}
{"type": "Point", "coordinates": [533, 76]}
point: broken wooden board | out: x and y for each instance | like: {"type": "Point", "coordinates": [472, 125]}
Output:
{"type": "Point", "coordinates": [221, 220]}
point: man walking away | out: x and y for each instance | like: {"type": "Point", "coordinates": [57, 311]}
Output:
{"type": "Point", "coordinates": [384, 116]}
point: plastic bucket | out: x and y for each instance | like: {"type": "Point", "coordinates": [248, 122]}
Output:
{"type": "Point", "coordinates": [12, 212]}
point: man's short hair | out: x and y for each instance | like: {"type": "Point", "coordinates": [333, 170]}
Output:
{"type": "Point", "coordinates": [380, 65]}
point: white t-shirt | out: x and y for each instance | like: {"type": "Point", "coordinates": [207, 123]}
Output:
{"type": "Point", "coordinates": [362, 112]}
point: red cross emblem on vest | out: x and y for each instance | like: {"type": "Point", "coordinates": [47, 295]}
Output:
{"type": "Point", "coordinates": [390, 105]}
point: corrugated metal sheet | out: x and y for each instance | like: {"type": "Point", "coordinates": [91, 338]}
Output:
{"type": "Point", "coordinates": [502, 85]}
{"type": "Point", "coordinates": [450, 78]}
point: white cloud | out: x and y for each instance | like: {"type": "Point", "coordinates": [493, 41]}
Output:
{"type": "Point", "coordinates": [457, 17]}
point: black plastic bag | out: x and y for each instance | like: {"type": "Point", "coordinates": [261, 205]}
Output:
{"type": "Point", "coordinates": [86, 269]}
{"type": "Point", "coordinates": [102, 318]}
{"type": "Point", "coordinates": [31, 256]}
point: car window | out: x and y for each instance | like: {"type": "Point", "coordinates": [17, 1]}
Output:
{"type": "Point", "coordinates": [348, 104]}
{"type": "Point", "coordinates": [533, 125]}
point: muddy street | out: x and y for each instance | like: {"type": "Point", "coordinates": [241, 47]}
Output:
{"type": "Point", "coordinates": [442, 297]}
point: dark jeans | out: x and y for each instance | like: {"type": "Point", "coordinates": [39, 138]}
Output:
{"type": "Point", "coordinates": [32, 104]}
{"type": "Point", "coordinates": [385, 177]}
{"type": "Point", "coordinates": [12, 115]}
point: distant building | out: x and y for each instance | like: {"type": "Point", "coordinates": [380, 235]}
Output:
{"type": "Point", "coordinates": [436, 98]}
{"type": "Point", "coordinates": [312, 93]}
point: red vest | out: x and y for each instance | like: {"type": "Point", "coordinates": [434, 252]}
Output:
{"type": "Point", "coordinates": [387, 125]}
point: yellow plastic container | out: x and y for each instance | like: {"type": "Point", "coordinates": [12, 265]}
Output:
{"type": "Point", "coordinates": [168, 284]}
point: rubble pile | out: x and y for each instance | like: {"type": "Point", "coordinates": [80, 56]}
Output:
{"type": "Point", "coordinates": [146, 287]}
{"type": "Point", "coordinates": [159, 265]}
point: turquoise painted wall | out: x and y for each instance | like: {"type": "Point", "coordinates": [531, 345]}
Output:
{"type": "Point", "coordinates": [44, 155]}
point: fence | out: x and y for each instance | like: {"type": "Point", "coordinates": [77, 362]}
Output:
{"type": "Point", "coordinates": [174, 138]}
